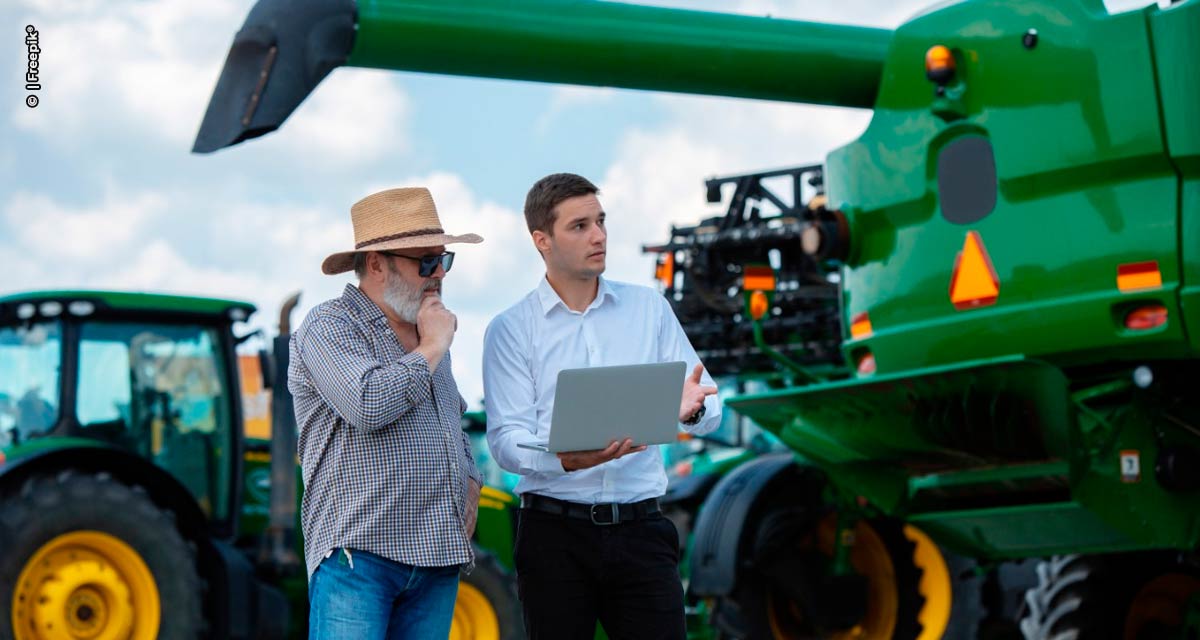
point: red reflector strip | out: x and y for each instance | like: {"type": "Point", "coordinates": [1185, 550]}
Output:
{"type": "Point", "coordinates": [758, 278]}
{"type": "Point", "coordinates": [1139, 276]}
{"type": "Point", "coordinates": [866, 364]}
{"type": "Point", "coordinates": [1150, 316]}
{"type": "Point", "coordinates": [860, 326]}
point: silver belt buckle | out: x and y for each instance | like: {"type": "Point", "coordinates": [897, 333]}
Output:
{"type": "Point", "coordinates": [616, 515]}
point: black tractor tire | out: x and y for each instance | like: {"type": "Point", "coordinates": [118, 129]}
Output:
{"type": "Point", "coordinates": [1096, 597]}
{"type": "Point", "coordinates": [1004, 591]}
{"type": "Point", "coordinates": [756, 612]}
{"type": "Point", "coordinates": [48, 506]}
{"type": "Point", "coordinates": [967, 608]}
{"type": "Point", "coordinates": [499, 588]}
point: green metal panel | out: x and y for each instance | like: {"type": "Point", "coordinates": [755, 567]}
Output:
{"type": "Point", "coordinates": [985, 475]}
{"type": "Point", "coordinates": [13, 454]}
{"type": "Point", "coordinates": [1084, 186]}
{"type": "Point", "coordinates": [946, 417]}
{"type": "Point", "coordinates": [256, 492]}
{"type": "Point", "coordinates": [1140, 507]}
{"type": "Point", "coordinates": [1176, 37]}
{"type": "Point", "coordinates": [494, 528]}
{"type": "Point", "coordinates": [127, 301]}
{"type": "Point", "coordinates": [1024, 531]}
{"type": "Point", "coordinates": [623, 45]}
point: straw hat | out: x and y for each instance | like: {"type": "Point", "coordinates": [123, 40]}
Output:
{"type": "Point", "coordinates": [393, 219]}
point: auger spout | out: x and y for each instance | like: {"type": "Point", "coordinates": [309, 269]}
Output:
{"type": "Point", "coordinates": [285, 49]}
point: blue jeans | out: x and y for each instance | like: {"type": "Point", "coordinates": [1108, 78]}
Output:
{"type": "Point", "coordinates": [361, 596]}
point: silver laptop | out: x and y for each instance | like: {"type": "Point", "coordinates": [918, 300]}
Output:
{"type": "Point", "coordinates": [596, 405]}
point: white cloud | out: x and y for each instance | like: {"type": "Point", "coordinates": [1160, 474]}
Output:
{"type": "Point", "coordinates": [136, 66]}
{"type": "Point", "coordinates": [46, 228]}
{"type": "Point", "coordinates": [568, 97]}
{"type": "Point", "coordinates": [131, 68]}
{"type": "Point", "coordinates": [355, 117]}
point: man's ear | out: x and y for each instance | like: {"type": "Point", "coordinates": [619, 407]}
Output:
{"type": "Point", "coordinates": [541, 240]}
{"type": "Point", "coordinates": [375, 265]}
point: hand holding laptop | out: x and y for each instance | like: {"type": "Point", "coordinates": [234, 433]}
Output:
{"type": "Point", "coordinates": [602, 412]}
{"type": "Point", "coordinates": [576, 460]}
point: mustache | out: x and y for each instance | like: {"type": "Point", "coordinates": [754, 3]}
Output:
{"type": "Point", "coordinates": [432, 285]}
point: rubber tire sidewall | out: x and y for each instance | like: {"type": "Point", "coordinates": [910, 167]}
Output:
{"type": "Point", "coordinates": [751, 594]}
{"type": "Point", "coordinates": [500, 589]}
{"type": "Point", "coordinates": [46, 507]}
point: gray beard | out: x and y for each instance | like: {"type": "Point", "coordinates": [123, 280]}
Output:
{"type": "Point", "coordinates": [404, 298]}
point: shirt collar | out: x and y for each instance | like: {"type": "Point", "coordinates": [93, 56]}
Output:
{"type": "Point", "coordinates": [550, 299]}
{"type": "Point", "coordinates": [361, 305]}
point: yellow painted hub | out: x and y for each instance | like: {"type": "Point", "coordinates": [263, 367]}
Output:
{"type": "Point", "coordinates": [869, 556]}
{"type": "Point", "coordinates": [85, 585]}
{"type": "Point", "coordinates": [474, 616]}
{"type": "Point", "coordinates": [935, 585]}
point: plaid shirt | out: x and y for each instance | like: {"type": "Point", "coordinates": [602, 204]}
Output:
{"type": "Point", "coordinates": [381, 445]}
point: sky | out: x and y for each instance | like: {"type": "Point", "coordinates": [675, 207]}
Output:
{"type": "Point", "coordinates": [99, 190]}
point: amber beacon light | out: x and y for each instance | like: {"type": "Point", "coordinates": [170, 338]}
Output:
{"type": "Point", "coordinates": [939, 64]}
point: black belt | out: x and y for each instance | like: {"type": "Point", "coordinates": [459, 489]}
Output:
{"type": "Point", "coordinates": [603, 513]}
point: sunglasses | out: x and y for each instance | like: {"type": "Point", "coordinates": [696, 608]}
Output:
{"type": "Point", "coordinates": [429, 264]}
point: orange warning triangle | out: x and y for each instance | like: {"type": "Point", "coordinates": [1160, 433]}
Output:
{"type": "Point", "coordinates": [974, 283]}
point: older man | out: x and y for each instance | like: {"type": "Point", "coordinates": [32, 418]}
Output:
{"type": "Point", "coordinates": [390, 486]}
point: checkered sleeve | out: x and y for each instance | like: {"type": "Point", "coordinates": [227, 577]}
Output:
{"type": "Point", "coordinates": [473, 471]}
{"type": "Point", "coordinates": [366, 393]}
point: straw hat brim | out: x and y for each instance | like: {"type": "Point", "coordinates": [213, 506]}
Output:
{"type": "Point", "coordinates": [343, 261]}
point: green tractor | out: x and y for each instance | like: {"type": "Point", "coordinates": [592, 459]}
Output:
{"type": "Point", "coordinates": [1017, 295]}
{"type": "Point", "coordinates": [132, 504]}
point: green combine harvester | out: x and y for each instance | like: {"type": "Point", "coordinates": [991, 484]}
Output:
{"type": "Point", "coordinates": [132, 504]}
{"type": "Point", "coordinates": [1013, 237]}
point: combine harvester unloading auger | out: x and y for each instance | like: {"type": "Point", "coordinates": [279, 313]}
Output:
{"type": "Point", "coordinates": [1016, 235]}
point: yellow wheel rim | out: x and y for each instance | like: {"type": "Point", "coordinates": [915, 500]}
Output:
{"type": "Point", "coordinates": [935, 585]}
{"type": "Point", "coordinates": [1162, 602]}
{"type": "Point", "coordinates": [85, 585]}
{"type": "Point", "coordinates": [474, 616]}
{"type": "Point", "coordinates": [869, 557]}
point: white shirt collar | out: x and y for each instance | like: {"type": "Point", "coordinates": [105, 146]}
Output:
{"type": "Point", "coordinates": [550, 299]}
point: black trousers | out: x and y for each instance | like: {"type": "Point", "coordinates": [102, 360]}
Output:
{"type": "Point", "coordinates": [571, 573]}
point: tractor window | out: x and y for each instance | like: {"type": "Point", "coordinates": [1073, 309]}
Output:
{"type": "Point", "coordinates": [158, 391]}
{"type": "Point", "coordinates": [30, 357]}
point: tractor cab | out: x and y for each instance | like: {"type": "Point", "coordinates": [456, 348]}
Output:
{"type": "Point", "coordinates": [150, 375]}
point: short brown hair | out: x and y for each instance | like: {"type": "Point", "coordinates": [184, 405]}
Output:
{"type": "Point", "coordinates": [548, 193]}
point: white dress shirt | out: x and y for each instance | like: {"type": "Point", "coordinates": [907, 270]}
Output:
{"type": "Point", "coordinates": [529, 343]}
